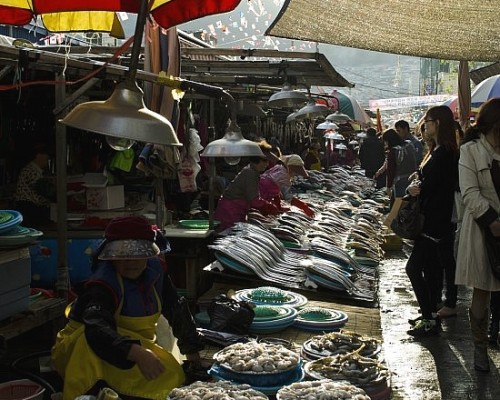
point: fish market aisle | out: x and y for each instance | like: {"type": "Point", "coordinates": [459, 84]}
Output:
{"type": "Point", "coordinates": [434, 368]}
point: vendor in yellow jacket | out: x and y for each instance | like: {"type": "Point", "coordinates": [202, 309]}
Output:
{"type": "Point", "coordinates": [109, 340]}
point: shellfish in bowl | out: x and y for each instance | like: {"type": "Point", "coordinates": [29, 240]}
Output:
{"type": "Point", "coordinates": [216, 390]}
{"type": "Point", "coordinates": [258, 364]}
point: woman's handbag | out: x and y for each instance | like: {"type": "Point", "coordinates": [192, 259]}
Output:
{"type": "Point", "coordinates": [409, 221]}
{"type": "Point", "coordinates": [493, 251]}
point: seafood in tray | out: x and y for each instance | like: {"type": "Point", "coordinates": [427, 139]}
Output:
{"type": "Point", "coordinates": [266, 367]}
{"type": "Point", "coordinates": [324, 389]}
{"type": "Point", "coordinates": [342, 342]}
{"type": "Point", "coordinates": [221, 390]}
{"type": "Point", "coordinates": [360, 371]}
{"type": "Point", "coordinates": [253, 357]}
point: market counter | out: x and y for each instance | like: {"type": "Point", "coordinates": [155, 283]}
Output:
{"type": "Point", "coordinates": [362, 320]}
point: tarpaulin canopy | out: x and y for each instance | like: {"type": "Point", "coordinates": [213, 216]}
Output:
{"type": "Point", "coordinates": [452, 30]}
{"type": "Point", "coordinates": [98, 15]}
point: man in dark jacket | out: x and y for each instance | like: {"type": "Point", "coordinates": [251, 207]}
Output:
{"type": "Point", "coordinates": [372, 155]}
{"type": "Point", "coordinates": [402, 127]}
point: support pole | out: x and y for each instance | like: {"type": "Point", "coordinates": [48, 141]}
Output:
{"type": "Point", "coordinates": [62, 284]}
{"type": "Point", "coordinates": [211, 200]}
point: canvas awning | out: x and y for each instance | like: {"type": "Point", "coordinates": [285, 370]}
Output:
{"type": "Point", "coordinates": [258, 72]}
{"type": "Point", "coordinates": [450, 30]}
{"type": "Point", "coordinates": [480, 74]}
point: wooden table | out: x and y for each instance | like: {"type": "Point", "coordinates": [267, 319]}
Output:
{"type": "Point", "coordinates": [41, 311]}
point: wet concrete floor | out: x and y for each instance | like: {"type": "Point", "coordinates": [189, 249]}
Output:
{"type": "Point", "coordinates": [439, 367]}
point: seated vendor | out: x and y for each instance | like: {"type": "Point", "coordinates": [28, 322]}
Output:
{"type": "Point", "coordinates": [32, 189]}
{"type": "Point", "coordinates": [109, 340]}
{"type": "Point", "coordinates": [242, 194]}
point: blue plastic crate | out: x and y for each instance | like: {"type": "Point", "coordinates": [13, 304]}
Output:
{"type": "Point", "coordinates": [44, 259]}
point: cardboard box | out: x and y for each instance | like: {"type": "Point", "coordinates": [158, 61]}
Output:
{"type": "Point", "coordinates": [15, 277]}
{"type": "Point", "coordinates": [106, 198]}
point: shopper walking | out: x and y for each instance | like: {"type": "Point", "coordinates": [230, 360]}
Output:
{"type": "Point", "coordinates": [402, 127]}
{"type": "Point", "coordinates": [399, 165]}
{"type": "Point", "coordinates": [372, 155]}
{"type": "Point", "coordinates": [435, 186]}
{"type": "Point", "coordinates": [479, 177]}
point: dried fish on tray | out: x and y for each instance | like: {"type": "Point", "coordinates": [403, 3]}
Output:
{"type": "Point", "coordinates": [260, 251]}
{"type": "Point", "coordinates": [342, 342]}
{"type": "Point", "coordinates": [324, 389]}
{"type": "Point", "coordinates": [221, 390]}
{"type": "Point", "coordinates": [367, 373]}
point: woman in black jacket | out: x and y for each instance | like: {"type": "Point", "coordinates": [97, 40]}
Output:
{"type": "Point", "coordinates": [436, 183]}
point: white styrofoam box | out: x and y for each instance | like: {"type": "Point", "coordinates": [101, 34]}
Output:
{"type": "Point", "coordinates": [94, 180]}
{"type": "Point", "coordinates": [106, 198]}
{"type": "Point", "coordinates": [15, 278]}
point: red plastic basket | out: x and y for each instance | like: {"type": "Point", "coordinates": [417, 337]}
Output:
{"type": "Point", "coordinates": [22, 389]}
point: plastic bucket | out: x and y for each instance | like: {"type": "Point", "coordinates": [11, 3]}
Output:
{"type": "Point", "coordinates": [22, 389]}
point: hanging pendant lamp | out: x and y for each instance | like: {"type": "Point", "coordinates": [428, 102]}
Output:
{"type": "Point", "coordinates": [232, 145]}
{"type": "Point", "coordinates": [124, 116]}
{"type": "Point", "coordinates": [311, 110]}
{"type": "Point", "coordinates": [338, 118]}
{"type": "Point", "coordinates": [327, 125]}
{"type": "Point", "coordinates": [287, 98]}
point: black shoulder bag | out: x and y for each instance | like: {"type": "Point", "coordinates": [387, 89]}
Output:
{"type": "Point", "coordinates": [409, 222]}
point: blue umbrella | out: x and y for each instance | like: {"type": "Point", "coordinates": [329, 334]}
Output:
{"type": "Point", "coordinates": [486, 90]}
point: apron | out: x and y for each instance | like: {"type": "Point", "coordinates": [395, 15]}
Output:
{"type": "Point", "coordinates": [81, 368]}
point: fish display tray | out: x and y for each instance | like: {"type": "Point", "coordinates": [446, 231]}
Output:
{"type": "Point", "coordinates": [18, 236]}
{"type": "Point", "coordinates": [268, 383]}
{"type": "Point", "coordinates": [378, 389]}
{"type": "Point", "coordinates": [196, 223]}
{"type": "Point", "coordinates": [310, 351]}
{"type": "Point", "coordinates": [290, 299]}
{"type": "Point", "coordinates": [233, 264]}
{"type": "Point", "coordinates": [320, 320]}
{"type": "Point", "coordinates": [9, 219]}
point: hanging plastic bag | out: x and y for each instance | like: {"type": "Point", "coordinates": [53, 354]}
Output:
{"type": "Point", "coordinates": [188, 170]}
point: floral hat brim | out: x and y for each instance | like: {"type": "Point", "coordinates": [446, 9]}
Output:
{"type": "Point", "coordinates": [130, 249]}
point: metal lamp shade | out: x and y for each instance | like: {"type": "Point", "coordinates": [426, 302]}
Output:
{"type": "Point", "coordinates": [334, 136]}
{"type": "Point", "coordinates": [291, 117]}
{"type": "Point", "coordinates": [327, 125]}
{"type": "Point", "coordinates": [232, 145]}
{"type": "Point", "coordinates": [311, 110]}
{"type": "Point", "coordinates": [287, 98]}
{"type": "Point", "coordinates": [338, 118]}
{"type": "Point", "coordinates": [123, 115]}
